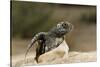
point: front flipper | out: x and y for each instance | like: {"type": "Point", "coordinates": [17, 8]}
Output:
{"type": "Point", "coordinates": [37, 37]}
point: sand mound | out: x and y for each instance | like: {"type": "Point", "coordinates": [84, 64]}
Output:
{"type": "Point", "coordinates": [59, 55]}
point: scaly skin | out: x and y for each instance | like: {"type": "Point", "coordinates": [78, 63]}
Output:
{"type": "Point", "coordinates": [50, 40]}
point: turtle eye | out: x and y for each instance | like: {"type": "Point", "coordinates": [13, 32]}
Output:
{"type": "Point", "coordinates": [65, 24]}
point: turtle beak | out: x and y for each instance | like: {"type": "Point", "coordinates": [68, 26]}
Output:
{"type": "Point", "coordinates": [71, 27]}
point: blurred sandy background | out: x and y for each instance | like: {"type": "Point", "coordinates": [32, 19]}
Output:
{"type": "Point", "coordinates": [29, 18]}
